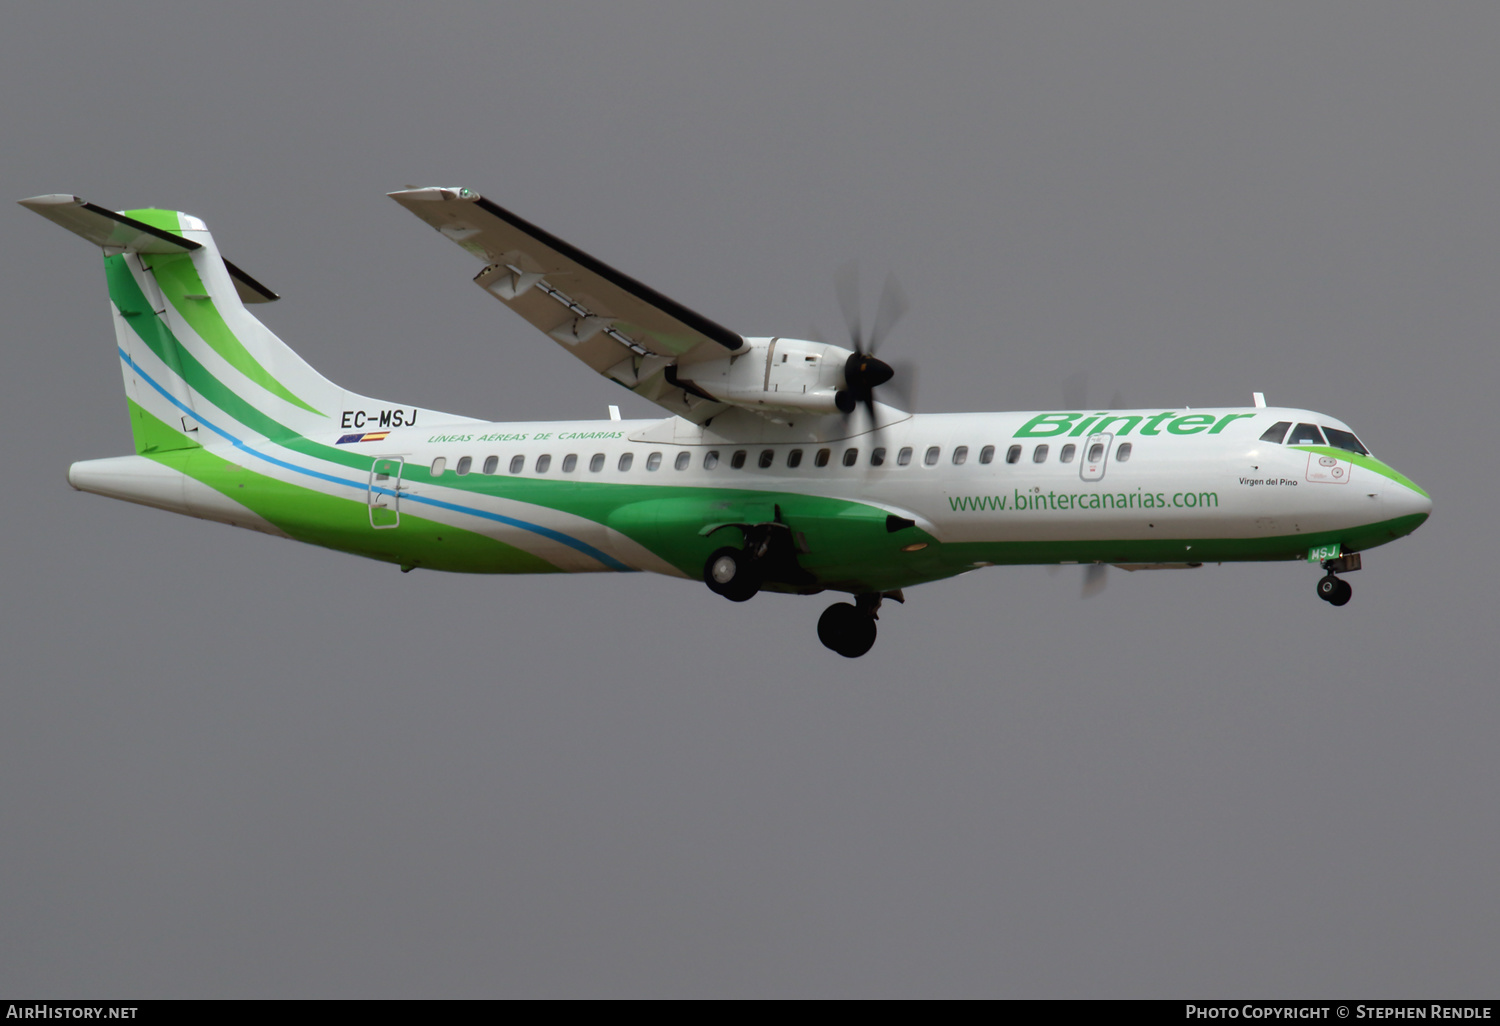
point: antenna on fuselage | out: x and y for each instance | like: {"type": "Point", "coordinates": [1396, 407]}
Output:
{"type": "Point", "coordinates": [1260, 399]}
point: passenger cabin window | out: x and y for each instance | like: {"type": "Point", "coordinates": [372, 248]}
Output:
{"type": "Point", "coordinates": [439, 465]}
{"type": "Point", "coordinates": [767, 457]}
{"type": "Point", "coordinates": [1013, 454]}
{"type": "Point", "coordinates": [794, 458]}
{"type": "Point", "coordinates": [653, 462]}
{"type": "Point", "coordinates": [903, 457]}
{"type": "Point", "coordinates": [1039, 454]}
{"type": "Point", "coordinates": [1344, 440]}
{"type": "Point", "coordinates": [987, 454]}
{"type": "Point", "coordinates": [821, 459]}
{"type": "Point", "coordinates": [877, 457]}
{"type": "Point", "coordinates": [851, 457]}
{"type": "Point", "coordinates": [1306, 434]}
{"type": "Point", "coordinates": [627, 459]}
{"type": "Point", "coordinates": [711, 459]}
{"type": "Point", "coordinates": [570, 463]}
{"type": "Point", "coordinates": [491, 464]}
{"type": "Point", "coordinates": [463, 465]}
{"type": "Point", "coordinates": [596, 463]}
{"type": "Point", "coordinates": [543, 462]}
{"type": "Point", "coordinates": [1096, 452]}
{"type": "Point", "coordinates": [1067, 453]}
{"type": "Point", "coordinates": [1122, 453]}
{"type": "Point", "coordinates": [738, 459]}
{"type": "Point", "coordinates": [960, 454]}
{"type": "Point", "coordinates": [1276, 432]}
{"type": "Point", "coordinates": [682, 461]}
{"type": "Point", "coordinates": [517, 464]}
{"type": "Point", "coordinates": [931, 458]}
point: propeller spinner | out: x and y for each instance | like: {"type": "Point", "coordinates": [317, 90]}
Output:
{"type": "Point", "coordinates": [864, 371]}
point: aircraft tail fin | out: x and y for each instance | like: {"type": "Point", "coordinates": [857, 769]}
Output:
{"type": "Point", "coordinates": [196, 362]}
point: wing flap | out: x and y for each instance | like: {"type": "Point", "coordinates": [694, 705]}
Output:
{"type": "Point", "coordinates": [620, 327]}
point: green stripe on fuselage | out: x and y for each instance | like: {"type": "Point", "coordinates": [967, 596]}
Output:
{"type": "Point", "coordinates": [343, 524]}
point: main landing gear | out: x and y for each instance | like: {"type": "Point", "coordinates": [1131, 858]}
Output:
{"type": "Point", "coordinates": [732, 573]}
{"type": "Point", "coordinates": [769, 559]}
{"type": "Point", "coordinates": [1333, 589]}
{"type": "Point", "coordinates": [846, 628]}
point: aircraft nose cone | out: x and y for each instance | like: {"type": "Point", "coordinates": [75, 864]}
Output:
{"type": "Point", "coordinates": [1403, 500]}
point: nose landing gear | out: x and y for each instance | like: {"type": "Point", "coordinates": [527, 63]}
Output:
{"type": "Point", "coordinates": [846, 630]}
{"type": "Point", "coordinates": [1333, 589]}
{"type": "Point", "coordinates": [850, 630]}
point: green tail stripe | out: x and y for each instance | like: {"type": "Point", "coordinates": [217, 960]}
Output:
{"type": "Point", "coordinates": [178, 280]}
{"type": "Point", "coordinates": [126, 294]}
{"type": "Point", "coordinates": [153, 435]}
{"type": "Point", "coordinates": [166, 220]}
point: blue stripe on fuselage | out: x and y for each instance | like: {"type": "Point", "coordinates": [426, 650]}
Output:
{"type": "Point", "coordinates": [545, 532]}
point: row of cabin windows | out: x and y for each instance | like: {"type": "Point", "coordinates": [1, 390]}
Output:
{"type": "Point", "coordinates": [1308, 434]}
{"type": "Point", "coordinates": [767, 457]}
{"type": "Point", "coordinates": [1066, 454]}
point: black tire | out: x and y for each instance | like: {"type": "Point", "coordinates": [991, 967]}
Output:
{"type": "Point", "coordinates": [846, 630]}
{"type": "Point", "coordinates": [1328, 589]}
{"type": "Point", "coordinates": [1344, 594]}
{"type": "Point", "coordinates": [732, 573]}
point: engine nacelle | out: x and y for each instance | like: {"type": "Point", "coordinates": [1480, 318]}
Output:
{"type": "Point", "coordinates": [786, 374]}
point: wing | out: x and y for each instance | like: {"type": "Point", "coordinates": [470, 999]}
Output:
{"type": "Point", "coordinates": [621, 328]}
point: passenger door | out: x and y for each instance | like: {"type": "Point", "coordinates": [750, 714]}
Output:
{"type": "Point", "coordinates": [385, 491]}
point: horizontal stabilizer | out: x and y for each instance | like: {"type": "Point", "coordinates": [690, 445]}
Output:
{"type": "Point", "coordinates": [117, 233]}
{"type": "Point", "coordinates": [107, 229]}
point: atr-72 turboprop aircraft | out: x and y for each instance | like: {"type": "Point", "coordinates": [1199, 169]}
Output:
{"type": "Point", "coordinates": [775, 469]}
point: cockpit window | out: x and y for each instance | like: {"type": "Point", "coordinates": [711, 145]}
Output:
{"type": "Point", "coordinates": [1306, 434]}
{"type": "Point", "coordinates": [1344, 440]}
{"type": "Point", "coordinates": [1276, 432]}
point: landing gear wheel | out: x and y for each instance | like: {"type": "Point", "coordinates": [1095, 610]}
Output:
{"type": "Point", "coordinates": [732, 573]}
{"type": "Point", "coordinates": [847, 630]}
{"type": "Point", "coordinates": [1334, 591]}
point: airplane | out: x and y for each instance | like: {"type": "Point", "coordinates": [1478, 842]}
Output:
{"type": "Point", "coordinates": [775, 467]}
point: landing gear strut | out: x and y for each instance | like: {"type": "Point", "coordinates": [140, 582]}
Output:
{"type": "Point", "coordinates": [850, 630]}
{"type": "Point", "coordinates": [1333, 589]}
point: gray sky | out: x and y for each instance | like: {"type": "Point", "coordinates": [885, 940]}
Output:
{"type": "Point", "coordinates": [237, 766]}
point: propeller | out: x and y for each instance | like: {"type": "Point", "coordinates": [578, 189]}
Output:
{"type": "Point", "coordinates": [864, 371]}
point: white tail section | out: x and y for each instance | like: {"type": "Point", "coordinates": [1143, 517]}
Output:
{"type": "Point", "coordinates": [193, 355]}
